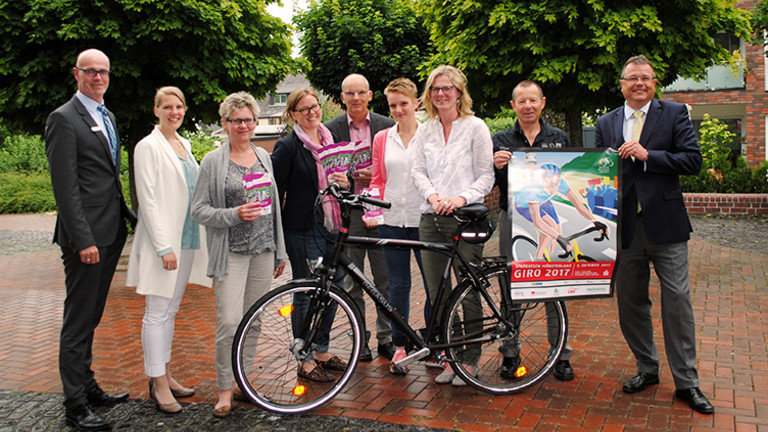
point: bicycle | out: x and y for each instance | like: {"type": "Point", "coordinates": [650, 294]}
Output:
{"type": "Point", "coordinates": [268, 375]}
{"type": "Point", "coordinates": [524, 248]}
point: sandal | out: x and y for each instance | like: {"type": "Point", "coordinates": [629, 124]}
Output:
{"type": "Point", "coordinates": [318, 374]}
{"type": "Point", "coordinates": [222, 411]}
{"type": "Point", "coordinates": [333, 364]}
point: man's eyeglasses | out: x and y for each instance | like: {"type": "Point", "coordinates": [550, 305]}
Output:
{"type": "Point", "coordinates": [245, 121]}
{"type": "Point", "coordinates": [355, 93]}
{"type": "Point", "coordinates": [645, 79]}
{"type": "Point", "coordinates": [94, 72]}
{"type": "Point", "coordinates": [306, 110]}
{"type": "Point", "coordinates": [445, 90]}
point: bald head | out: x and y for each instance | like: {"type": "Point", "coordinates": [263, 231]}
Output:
{"type": "Point", "coordinates": [92, 74]}
{"type": "Point", "coordinates": [355, 94]}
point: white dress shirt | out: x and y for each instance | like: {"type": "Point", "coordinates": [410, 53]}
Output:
{"type": "Point", "coordinates": [400, 190]}
{"type": "Point", "coordinates": [462, 166]}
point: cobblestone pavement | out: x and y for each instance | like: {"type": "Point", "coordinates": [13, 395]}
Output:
{"type": "Point", "coordinates": [29, 411]}
{"type": "Point", "coordinates": [729, 269]}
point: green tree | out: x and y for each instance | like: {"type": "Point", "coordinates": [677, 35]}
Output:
{"type": "Point", "coordinates": [381, 39]}
{"type": "Point", "coordinates": [208, 48]}
{"type": "Point", "coordinates": [575, 48]}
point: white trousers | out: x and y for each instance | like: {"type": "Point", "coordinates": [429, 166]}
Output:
{"type": "Point", "coordinates": [248, 278]}
{"type": "Point", "coordinates": [160, 320]}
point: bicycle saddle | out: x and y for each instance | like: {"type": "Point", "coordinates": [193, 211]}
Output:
{"type": "Point", "coordinates": [472, 212]}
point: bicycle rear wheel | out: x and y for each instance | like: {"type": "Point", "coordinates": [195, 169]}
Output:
{"type": "Point", "coordinates": [263, 352]}
{"type": "Point", "coordinates": [530, 335]}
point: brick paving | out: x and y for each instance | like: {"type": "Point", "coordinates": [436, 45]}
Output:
{"type": "Point", "coordinates": [730, 300]}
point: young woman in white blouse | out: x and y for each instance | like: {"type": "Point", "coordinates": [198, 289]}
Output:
{"type": "Point", "coordinates": [393, 155]}
{"type": "Point", "coordinates": [453, 167]}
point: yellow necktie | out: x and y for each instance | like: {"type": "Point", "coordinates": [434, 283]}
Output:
{"type": "Point", "coordinates": [638, 127]}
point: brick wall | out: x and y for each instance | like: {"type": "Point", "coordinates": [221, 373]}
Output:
{"type": "Point", "coordinates": [726, 204]}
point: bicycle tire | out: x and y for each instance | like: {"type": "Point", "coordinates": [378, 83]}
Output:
{"type": "Point", "coordinates": [268, 375]}
{"type": "Point", "coordinates": [523, 249]}
{"type": "Point", "coordinates": [529, 333]}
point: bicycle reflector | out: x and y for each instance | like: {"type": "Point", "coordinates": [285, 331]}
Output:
{"type": "Point", "coordinates": [521, 371]}
{"type": "Point", "coordinates": [299, 390]}
{"type": "Point", "coordinates": [479, 231]}
{"type": "Point", "coordinates": [285, 310]}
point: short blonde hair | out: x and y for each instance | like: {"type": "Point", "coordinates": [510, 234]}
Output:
{"type": "Point", "coordinates": [459, 80]}
{"type": "Point", "coordinates": [403, 86]}
{"type": "Point", "coordinates": [293, 101]}
{"type": "Point", "coordinates": [169, 91]}
{"type": "Point", "coordinates": [238, 100]}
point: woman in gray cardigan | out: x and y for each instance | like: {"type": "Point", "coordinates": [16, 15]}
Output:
{"type": "Point", "coordinates": [245, 236]}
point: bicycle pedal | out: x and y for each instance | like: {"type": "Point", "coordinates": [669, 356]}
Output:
{"type": "Point", "coordinates": [413, 357]}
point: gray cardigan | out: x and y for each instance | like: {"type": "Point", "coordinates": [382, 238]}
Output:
{"type": "Point", "coordinates": [209, 209]}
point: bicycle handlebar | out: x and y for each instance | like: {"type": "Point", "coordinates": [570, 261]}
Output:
{"type": "Point", "coordinates": [597, 226]}
{"type": "Point", "coordinates": [350, 198]}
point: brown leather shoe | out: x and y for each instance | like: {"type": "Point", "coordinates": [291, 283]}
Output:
{"type": "Point", "coordinates": [183, 392]}
{"type": "Point", "coordinates": [222, 411]}
{"type": "Point", "coordinates": [334, 364]}
{"type": "Point", "coordinates": [238, 395]}
{"type": "Point", "coordinates": [318, 374]}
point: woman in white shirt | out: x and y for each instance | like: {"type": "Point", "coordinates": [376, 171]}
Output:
{"type": "Point", "coordinates": [453, 167]}
{"type": "Point", "coordinates": [168, 248]}
{"type": "Point", "coordinates": [393, 155]}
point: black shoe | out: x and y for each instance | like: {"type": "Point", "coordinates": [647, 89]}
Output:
{"type": "Point", "coordinates": [84, 419]}
{"type": "Point", "coordinates": [387, 350]}
{"type": "Point", "coordinates": [696, 400]}
{"type": "Point", "coordinates": [640, 381]}
{"type": "Point", "coordinates": [509, 367]}
{"type": "Point", "coordinates": [99, 397]}
{"type": "Point", "coordinates": [365, 354]}
{"type": "Point", "coordinates": [563, 370]}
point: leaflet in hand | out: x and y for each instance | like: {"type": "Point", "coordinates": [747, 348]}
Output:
{"type": "Point", "coordinates": [258, 188]}
{"type": "Point", "coordinates": [345, 157]}
{"type": "Point", "coordinates": [371, 211]}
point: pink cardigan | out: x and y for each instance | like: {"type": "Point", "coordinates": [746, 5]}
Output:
{"type": "Point", "coordinates": [379, 169]}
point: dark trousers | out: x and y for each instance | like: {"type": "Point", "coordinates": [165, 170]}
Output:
{"type": "Point", "coordinates": [87, 288]}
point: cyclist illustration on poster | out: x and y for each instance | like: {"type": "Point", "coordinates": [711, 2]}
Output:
{"type": "Point", "coordinates": [564, 217]}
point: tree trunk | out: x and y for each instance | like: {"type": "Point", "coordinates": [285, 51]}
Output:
{"type": "Point", "coordinates": [573, 125]}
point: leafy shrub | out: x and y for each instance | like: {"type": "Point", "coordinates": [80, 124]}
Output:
{"type": "Point", "coordinates": [718, 174]}
{"type": "Point", "coordinates": [201, 141]}
{"type": "Point", "coordinates": [23, 154]}
{"type": "Point", "coordinates": [26, 193]}
{"type": "Point", "coordinates": [505, 119]}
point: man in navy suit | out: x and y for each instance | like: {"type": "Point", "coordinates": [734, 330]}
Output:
{"type": "Point", "coordinates": [359, 124]}
{"type": "Point", "coordinates": [84, 158]}
{"type": "Point", "coordinates": [656, 142]}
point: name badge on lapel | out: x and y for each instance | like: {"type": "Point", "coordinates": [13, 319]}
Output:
{"type": "Point", "coordinates": [95, 129]}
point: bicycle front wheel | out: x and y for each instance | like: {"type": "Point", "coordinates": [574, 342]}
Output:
{"type": "Point", "coordinates": [534, 333]}
{"type": "Point", "coordinates": [265, 351]}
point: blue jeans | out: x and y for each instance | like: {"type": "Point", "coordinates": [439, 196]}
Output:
{"type": "Point", "coordinates": [399, 271]}
{"type": "Point", "coordinates": [300, 246]}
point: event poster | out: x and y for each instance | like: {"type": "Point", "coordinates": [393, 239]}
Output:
{"type": "Point", "coordinates": [563, 211]}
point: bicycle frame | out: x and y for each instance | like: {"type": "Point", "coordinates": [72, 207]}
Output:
{"type": "Point", "coordinates": [451, 250]}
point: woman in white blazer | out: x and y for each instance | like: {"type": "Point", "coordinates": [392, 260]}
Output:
{"type": "Point", "coordinates": [168, 248]}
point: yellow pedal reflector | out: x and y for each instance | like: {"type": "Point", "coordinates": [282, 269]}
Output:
{"type": "Point", "coordinates": [299, 390]}
{"type": "Point", "coordinates": [521, 371]}
{"type": "Point", "coordinates": [285, 310]}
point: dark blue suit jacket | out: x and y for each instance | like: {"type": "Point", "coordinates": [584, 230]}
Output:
{"type": "Point", "coordinates": [669, 137]}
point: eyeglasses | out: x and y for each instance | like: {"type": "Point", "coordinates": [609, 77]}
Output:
{"type": "Point", "coordinates": [355, 93]}
{"type": "Point", "coordinates": [445, 90]}
{"type": "Point", "coordinates": [645, 79]}
{"type": "Point", "coordinates": [94, 72]}
{"type": "Point", "coordinates": [245, 121]}
{"type": "Point", "coordinates": [306, 110]}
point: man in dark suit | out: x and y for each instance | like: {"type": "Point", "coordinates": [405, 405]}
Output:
{"type": "Point", "coordinates": [657, 144]}
{"type": "Point", "coordinates": [84, 158]}
{"type": "Point", "coordinates": [359, 124]}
